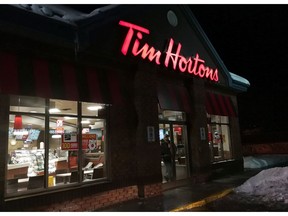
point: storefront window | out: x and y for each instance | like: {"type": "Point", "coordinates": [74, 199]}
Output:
{"type": "Point", "coordinates": [36, 133]}
{"type": "Point", "coordinates": [219, 137]}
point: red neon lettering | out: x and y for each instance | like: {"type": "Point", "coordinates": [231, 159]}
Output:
{"type": "Point", "coordinates": [145, 50]}
{"type": "Point", "coordinates": [195, 66]}
{"type": "Point", "coordinates": [196, 60]}
{"type": "Point", "coordinates": [172, 56]}
{"type": "Point", "coordinates": [209, 74]}
{"type": "Point", "coordinates": [202, 70]}
{"type": "Point", "coordinates": [215, 77]}
{"type": "Point", "coordinates": [130, 33]}
{"type": "Point", "coordinates": [183, 64]}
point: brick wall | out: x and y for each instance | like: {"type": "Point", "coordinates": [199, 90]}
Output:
{"type": "Point", "coordinates": [100, 200]}
{"type": "Point", "coordinates": [92, 202]}
{"type": "Point", "coordinates": [152, 190]}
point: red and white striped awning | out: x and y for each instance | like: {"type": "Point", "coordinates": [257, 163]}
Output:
{"type": "Point", "coordinates": [217, 104]}
{"type": "Point", "coordinates": [50, 78]}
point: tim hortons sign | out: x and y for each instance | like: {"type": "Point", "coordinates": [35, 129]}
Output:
{"type": "Point", "coordinates": [191, 65]}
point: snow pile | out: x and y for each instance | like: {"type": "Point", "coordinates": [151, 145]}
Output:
{"type": "Point", "coordinates": [269, 185]}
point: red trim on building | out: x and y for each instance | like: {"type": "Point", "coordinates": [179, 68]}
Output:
{"type": "Point", "coordinates": [114, 87]}
{"type": "Point", "coordinates": [70, 81]}
{"type": "Point", "coordinates": [94, 86]}
{"type": "Point", "coordinates": [42, 78]}
{"type": "Point", "coordinates": [9, 81]}
{"type": "Point", "coordinates": [62, 83]}
{"type": "Point", "coordinates": [217, 104]}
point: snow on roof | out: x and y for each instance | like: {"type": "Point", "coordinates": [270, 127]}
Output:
{"type": "Point", "coordinates": [62, 13]}
{"type": "Point", "coordinates": [239, 79]}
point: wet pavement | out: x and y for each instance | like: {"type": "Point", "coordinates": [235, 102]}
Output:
{"type": "Point", "coordinates": [191, 197]}
{"type": "Point", "coordinates": [244, 203]}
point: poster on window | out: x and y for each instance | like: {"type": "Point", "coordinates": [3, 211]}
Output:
{"type": "Point", "coordinates": [89, 141]}
{"type": "Point", "coordinates": [69, 141]}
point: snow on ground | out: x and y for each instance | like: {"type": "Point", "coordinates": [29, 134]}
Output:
{"type": "Point", "coordinates": [269, 185]}
{"type": "Point", "coordinates": [265, 191]}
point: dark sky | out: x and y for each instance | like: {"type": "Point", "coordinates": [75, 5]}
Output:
{"type": "Point", "coordinates": [252, 41]}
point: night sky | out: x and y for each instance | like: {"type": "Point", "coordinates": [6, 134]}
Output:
{"type": "Point", "coordinates": [252, 42]}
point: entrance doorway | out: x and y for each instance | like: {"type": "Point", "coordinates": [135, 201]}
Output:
{"type": "Point", "coordinates": [178, 135]}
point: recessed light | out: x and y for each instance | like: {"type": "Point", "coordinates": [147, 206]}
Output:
{"type": "Point", "coordinates": [94, 108]}
{"type": "Point", "coordinates": [68, 117]}
{"type": "Point", "coordinates": [85, 122]}
{"type": "Point", "coordinates": [54, 110]}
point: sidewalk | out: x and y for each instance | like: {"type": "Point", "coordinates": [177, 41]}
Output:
{"type": "Point", "coordinates": [191, 197]}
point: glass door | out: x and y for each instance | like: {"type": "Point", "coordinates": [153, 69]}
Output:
{"type": "Point", "coordinates": [177, 137]}
{"type": "Point", "coordinates": [181, 159]}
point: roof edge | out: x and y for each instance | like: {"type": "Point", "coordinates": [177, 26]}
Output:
{"type": "Point", "coordinates": [234, 81]}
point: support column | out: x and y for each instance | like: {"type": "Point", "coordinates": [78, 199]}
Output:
{"type": "Point", "coordinates": [200, 153]}
{"type": "Point", "coordinates": [147, 151]}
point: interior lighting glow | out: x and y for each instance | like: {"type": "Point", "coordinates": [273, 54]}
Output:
{"type": "Point", "coordinates": [56, 136]}
{"type": "Point", "coordinates": [92, 108]}
{"type": "Point", "coordinates": [69, 118]}
{"type": "Point", "coordinates": [20, 132]}
{"type": "Point", "coordinates": [54, 110]}
{"type": "Point", "coordinates": [85, 122]}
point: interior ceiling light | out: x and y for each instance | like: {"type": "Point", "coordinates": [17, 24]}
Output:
{"type": "Point", "coordinates": [54, 110]}
{"type": "Point", "coordinates": [68, 117]}
{"type": "Point", "coordinates": [13, 142]}
{"type": "Point", "coordinates": [56, 136]}
{"type": "Point", "coordinates": [85, 122]}
{"type": "Point", "coordinates": [94, 108]}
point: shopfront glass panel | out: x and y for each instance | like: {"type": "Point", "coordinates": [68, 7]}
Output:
{"type": "Point", "coordinates": [219, 138]}
{"type": "Point", "coordinates": [178, 137]}
{"type": "Point", "coordinates": [28, 141]}
{"type": "Point", "coordinates": [93, 143]}
{"type": "Point", "coordinates": [63, 145]}
{"type": "Point", "coordinates": [26, 153]}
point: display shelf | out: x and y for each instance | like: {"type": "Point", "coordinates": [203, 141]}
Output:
{"type": "Point", "coordinates": [34, 159]}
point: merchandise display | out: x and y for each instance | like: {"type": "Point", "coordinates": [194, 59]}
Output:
{"type": "Point", "coordinates": [35, 159]}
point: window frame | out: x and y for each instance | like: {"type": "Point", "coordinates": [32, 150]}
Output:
{"type": "Point", "coordinates": [210, 124]}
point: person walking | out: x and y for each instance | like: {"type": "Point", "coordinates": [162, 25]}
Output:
{"type": "Point", "coordinates": [168, 150]}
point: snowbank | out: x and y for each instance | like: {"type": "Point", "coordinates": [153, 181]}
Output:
{"type": "Point", "coordinates": [270, 185]}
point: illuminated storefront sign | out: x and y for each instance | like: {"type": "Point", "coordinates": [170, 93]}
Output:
{"type": "Point", "coordinates": [192, 65]}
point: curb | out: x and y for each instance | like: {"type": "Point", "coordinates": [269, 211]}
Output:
{"type": "Point", "coordinates": [203, 201]}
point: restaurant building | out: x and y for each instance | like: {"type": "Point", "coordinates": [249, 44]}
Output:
{"type": "Point", "coordinates": [86, 98]}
